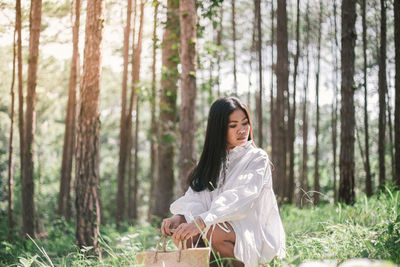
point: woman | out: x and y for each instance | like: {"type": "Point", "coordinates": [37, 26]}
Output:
{"type": "Point", "coordinates": [230, 200]}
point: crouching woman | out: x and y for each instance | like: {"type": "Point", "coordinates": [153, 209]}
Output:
{"type": "Point", "coordinates": [230, 201]}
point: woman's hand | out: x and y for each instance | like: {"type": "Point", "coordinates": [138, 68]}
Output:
{"type": "Point", "coordinates": [187, 230]}
{"type": "Point", "coordinates": [171, 223]}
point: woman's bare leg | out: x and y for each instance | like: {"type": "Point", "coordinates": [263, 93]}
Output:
{"type": "Point", "coordinates": [223, 244]}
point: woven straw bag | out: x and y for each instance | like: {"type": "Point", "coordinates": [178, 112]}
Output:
{"type": "Point", "coordinates": [183, 257]}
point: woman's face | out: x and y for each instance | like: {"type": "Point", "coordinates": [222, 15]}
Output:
{"type": "Point", "coordinates": [238, 129]}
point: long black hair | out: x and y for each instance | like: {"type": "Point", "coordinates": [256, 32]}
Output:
{"type": "Point", "coordinates": [205, 173]}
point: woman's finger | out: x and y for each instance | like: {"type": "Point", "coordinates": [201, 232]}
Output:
{"type": "Point", "coordinates": [186, 235]}
{"type": "Point", "coordinates": [167, 227]}
{"type": "Point", "coordinates": [190, 232]}
{"type": "Point", "coordinates": [163, 229]}
{"type": "Point", "coordinates": [178, 231]}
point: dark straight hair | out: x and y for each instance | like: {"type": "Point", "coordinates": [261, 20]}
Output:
{"type": "Point", "coordinates": [205, 173]}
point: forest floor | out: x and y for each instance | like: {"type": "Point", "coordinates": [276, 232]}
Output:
{"type": "Point", "coordinates": [334, 232]}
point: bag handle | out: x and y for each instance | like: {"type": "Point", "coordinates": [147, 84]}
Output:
{"type": "Point", "coordinates": [181, 246]}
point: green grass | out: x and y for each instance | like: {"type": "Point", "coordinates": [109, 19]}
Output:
{"type": "Point", "coordinates": [368, 229]}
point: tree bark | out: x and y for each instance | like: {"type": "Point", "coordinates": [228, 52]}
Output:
{"type": "Point", "coordinates": [130, 183]}
{"type": "Point", "coordinates": [335, 105]}
{"type": "Point", "coordinates": [187, 123]}
{"type": "Point", "coordinates": [87, 202]}
{"type": "Point", "coordinates": [292, 117]}
{"type": "Point", "coordinates": [282, 76]}
{"type": "Point", "coordinates": [382, 95]}
{"type": "Point", "coordinates": [128, 123]}
{"type": "Point", "coordinates": [28, 207]}
{"type": "Point", "coordinates": [134, 198]}
{"type": "Point", "coordinates": [304, 169]}
{"type": "Point", "coordinates": [316, 168]}
{"type": "Point", "coordinates": [10, 181]}
{"type": "Point", "coordinates": [346, 186]}
{"type": "Point", "coordinates": [219, 44]}
{"type": "Point", "coordinates": [253, 48]}
{"type": "Point", "coordinates": [153, 131]}
{"type": "Point", "coordinates": [136, 63]}
{"type": "Point", "coordinates": [64, 203]}
{"type": "Point", "coordinates": [390, 133]}
{"type": "Point", "coordinates": [368, 179]}
{"type": "Point", "coordinates": [396, 27]}
{"type": "Point", "coordinates": [257, 12]}
{"type": "Point", "coordinates": [233, 21]}
{"type": "Point", "coordinates": [168, 111]}
{"type": "Point", "coordinates": [272, 99]}
{"type": "Point", "coordinates": [20, 89]}
{"type": "Point", "coordinates": [123, 144]}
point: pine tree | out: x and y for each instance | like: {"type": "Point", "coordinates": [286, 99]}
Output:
{"type": "Point", "coordinates": [346, 186]}
{"type": "Point", "coordinates": [87, 201]}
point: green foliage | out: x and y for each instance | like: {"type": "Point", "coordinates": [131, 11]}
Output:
{"type": "Point", "coordinates": [369, 229]}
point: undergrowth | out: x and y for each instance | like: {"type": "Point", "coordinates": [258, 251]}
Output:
{"type": "Point", "coordinates": [368, 229]}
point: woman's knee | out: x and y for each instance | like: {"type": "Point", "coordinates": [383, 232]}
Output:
{"type": "Point", "coordinates": [221, 234]}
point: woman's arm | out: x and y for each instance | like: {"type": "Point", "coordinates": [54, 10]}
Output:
{"type": "Point", "coordinates": [240, 193]}
{"type": "Point", "coordinates": [171, 223]}
{"type": "Point", "coordinates": [191, 204]}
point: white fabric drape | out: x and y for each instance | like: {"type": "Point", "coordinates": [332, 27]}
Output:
{"type": "Point", "coordinates": [246, 200]}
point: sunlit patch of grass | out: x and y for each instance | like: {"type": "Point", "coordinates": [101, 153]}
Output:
{"type": "Point", "coordinates": [368, 229]}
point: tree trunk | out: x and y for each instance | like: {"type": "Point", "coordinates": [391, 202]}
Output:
{"type": "Point", "coordinates": [304, 169]}
{"type": "Point", "coordinates": [20, 89]}
{"type": "Point", "coordinates": [10, 220]}
{"type": "Point", "coordinates": [28, 207]}
{"type": "Point", "coordinates": [359, 146]}
{"type": "Point", "coordinates": [134, 198]}
{"type": "Point", "coordinates": [168, 111]}
{"type": "Point", "coordinates": [335, 105]}
{"type": "Point", "coordinates": [251, 59]}
{"type": "Point", "coordinates": [234, 46]}
{"type": "Point", "coordinates": [368, 179]}
{"type": "Point", "coordinates": [136, 63]}
{"type": "Point", "coordinates": [272, 100]}
{"type": "Point", "coordinates": [257, 13]}
{"type": "Point", "coordinates": [64, 205]}
{"type": "Point", "coordinates": [123, 145]}
{"type": "Point", "coordinates": [130, 183]}
{"type": "Point", "coordinates": [187, 123]}
{"type": "Point", "coordinates": [292, 117]}
{"type": "Point", "coordinates": [87, 202]}
{"type": "Point", "coordinates": [282, 76]}
{"type": "Point", "coordinates": [396, 10]}
{"type": "Point", "coordinates": [382, 93]}
{"type": "Point", "coordinates": [219, 44]}
{"type": "Point", "coordinates": [128, 123]}
{"type": "Point", "coordinates": [153, 131]}
{"type": "Point", "coordinates": [316, 169]}
{"type": "Point", "coordinates": [346, 186]}
{"type": "Point", "coordinates": [389, 119]}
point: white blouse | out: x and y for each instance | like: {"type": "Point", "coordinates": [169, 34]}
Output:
{"type": "Point", "coordinates": [247, 201]}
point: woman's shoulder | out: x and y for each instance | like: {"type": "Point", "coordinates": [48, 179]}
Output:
{"type": "Point", "coordinates": [257, 152]}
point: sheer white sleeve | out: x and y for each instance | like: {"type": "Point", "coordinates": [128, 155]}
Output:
{"type": "Point", "coordinates": [191, 204]}
{"type": "Point", "coordinates": [240, 193]}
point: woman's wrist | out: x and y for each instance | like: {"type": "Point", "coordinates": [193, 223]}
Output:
{"type": "Point", "coordinates": [181, 218]}
{"type": "Point", "coordinates": [200, 223]}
